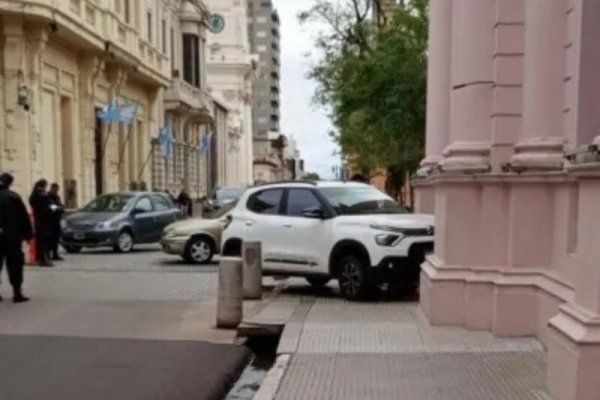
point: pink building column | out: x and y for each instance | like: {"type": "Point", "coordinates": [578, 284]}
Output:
{"type": "Point", "coordinates": [459, 193]}
{"type": "Point", "coordinates": [542, 138]}
{"type": "Point", "coordinates": [438, 101]}
{"type": "Point", "coordinates": [472, 85]}
{"type": "Point", "coordinates": [574, 346]}
{"type": "Point", "coordinates": [438, 82]}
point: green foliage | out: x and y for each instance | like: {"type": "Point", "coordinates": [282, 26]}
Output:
{"type": "Point", "coordinates": [373, 80]}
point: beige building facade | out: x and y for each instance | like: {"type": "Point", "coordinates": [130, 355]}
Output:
{"type": "Point", "coordinates": [231, 70]}
{"type": "Point", "coordinates": [188, 107]}
{"type": "Point", "coordinates": [62, 62]}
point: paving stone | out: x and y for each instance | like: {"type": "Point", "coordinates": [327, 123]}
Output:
{"type": "Point", "coordinates": [345, 350]}
{"type": "Point", "coordinates": [443, 376]}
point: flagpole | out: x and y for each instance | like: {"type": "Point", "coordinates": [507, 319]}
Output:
{"type": "Point", "coordinates": [146, 163]}
{"type": "Point", "coordinates": [122, 155]}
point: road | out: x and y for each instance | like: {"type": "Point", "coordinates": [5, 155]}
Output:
{"type": "Point", "coordinates": [120, 326]}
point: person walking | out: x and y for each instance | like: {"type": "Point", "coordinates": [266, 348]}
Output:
{"type": "Point", "coordinates": [58, 209]}
{"type": "Point", "coordinates": [185, 202]}
{"type": "Point", "coordinates": [15, 227]}
{"type": "Point", "coordinates": [42, 216]}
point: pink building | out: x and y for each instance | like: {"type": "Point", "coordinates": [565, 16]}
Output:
{"type": "Point", "coordinates": [514, 86]}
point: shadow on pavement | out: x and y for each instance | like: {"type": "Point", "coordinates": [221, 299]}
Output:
{"type": "Point", "coordinates": [331, 291]}
{"type": "Point", "coordinates": [105, 251]}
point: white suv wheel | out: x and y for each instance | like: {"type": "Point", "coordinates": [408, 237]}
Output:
{"type": "Point", "coordinates": [352, 278]}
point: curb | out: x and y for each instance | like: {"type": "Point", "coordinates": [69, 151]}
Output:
{"type": "Point", "coordinates": [270, 385]}
{"type": "Point", "coordinates": [247, 328]}
{"type": "Point", "coordinates": [230, 381]}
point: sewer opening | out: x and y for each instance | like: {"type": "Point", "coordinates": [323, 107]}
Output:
{"type": "Point", "coordinates": [264, 353]}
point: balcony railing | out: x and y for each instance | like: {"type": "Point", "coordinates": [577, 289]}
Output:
{"type": "Point", "coordinates": [181, 91]}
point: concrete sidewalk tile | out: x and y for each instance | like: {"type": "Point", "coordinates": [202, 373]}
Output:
{"type": "Point", "coordinates": [445, 376]}
{"type": "Point", "coordinates": [345, 350]}
{"type": "Point", "coordinates": [290, 338]}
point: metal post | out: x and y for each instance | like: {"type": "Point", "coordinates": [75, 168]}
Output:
{"type": "Point", "coordinates": [252, 262]}
{"type": "Point", "coordinates": [230, 296]}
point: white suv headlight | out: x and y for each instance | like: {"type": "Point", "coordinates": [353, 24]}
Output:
{"type": "Point", "coordinates": [386, 239]}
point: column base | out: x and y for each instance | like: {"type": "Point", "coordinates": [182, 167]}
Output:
{"type": "Point", "coordinates": [472, 157]}
{"type": "Point", "coordinates": [538, 155]}
{"type": "Point", "coordinates": [574, 354]}
{"type": "Point", "coordinates": [506, 302]}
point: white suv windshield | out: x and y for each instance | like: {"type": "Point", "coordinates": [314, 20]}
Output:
{"type": "Point", "coordinates": [355, 200]}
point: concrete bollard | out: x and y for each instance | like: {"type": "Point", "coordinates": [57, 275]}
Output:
{"type": "Point", "coordinates": [230, 297]}
{"type": "Point", "coordinates": [252, 262]}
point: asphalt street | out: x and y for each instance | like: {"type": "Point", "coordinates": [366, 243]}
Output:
{"type": "Point", "coordinates": [111, 326]}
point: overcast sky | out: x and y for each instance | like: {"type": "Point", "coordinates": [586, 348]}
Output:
{"type": "Point", "coordinates": [300, 119]}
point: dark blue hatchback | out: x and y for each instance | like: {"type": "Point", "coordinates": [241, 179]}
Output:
{"type": "Point", "coordinates": [119, 220]}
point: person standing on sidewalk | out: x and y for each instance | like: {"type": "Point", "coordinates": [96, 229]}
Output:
{"type": "Point", "coordinates": [58, 209]}
{"type": "Point", "coordinates": [42, 216]}
{"type": "Point", "coordinates": [185, 202]}
{"type": "Point", "coordinates": [15, 227]}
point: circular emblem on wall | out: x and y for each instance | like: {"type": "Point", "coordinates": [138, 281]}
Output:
{"type": "Point", "coordinates": [216, 23]}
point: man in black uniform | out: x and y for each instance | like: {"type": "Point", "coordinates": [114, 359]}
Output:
{"type": "Point", "coordinates": [42, 216]}
{"type": "Point", "coordinates": [55, 228]}
{"type": "Point", "coordinates": [15, 227]}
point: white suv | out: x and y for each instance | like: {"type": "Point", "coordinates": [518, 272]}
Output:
{"type": "Point", "coordinates": [323, 230]}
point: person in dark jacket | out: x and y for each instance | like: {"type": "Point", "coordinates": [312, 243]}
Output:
{"type": "Point", "coordinates": [185, 203]}
{"type": "Point", "coordinates": [15, 227]}
{"type": "Point", "coordinates": [42, 216]}
{"type": "Point", "coordinates": [58, 209]}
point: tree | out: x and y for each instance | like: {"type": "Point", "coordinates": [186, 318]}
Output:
{"type": "Point", "coordinates": [372, 79]}
{"type": "Point", "coordinates": [312, 176]}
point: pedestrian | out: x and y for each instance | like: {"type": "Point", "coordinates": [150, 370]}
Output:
{"type": "Point", "coordinates": [185, 202]}
{"type": "Point", "coordinates": [42, 216]}
{"type": "Point", "coordinates": [205, 206]}
{"type": "Point", "coordinates": [15, 227]}
{"type": "Point", "coordinates": [168, 193]}
{"type": "Point", "coordinates": [58, 209]}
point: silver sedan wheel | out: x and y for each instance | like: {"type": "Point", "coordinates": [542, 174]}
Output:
{"type": "Point", "coordinates": [199, 251]}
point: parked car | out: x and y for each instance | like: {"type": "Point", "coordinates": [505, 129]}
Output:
{"type": "Point", "coordinates": [119, 220]}
{"type": "Point", "coordinates": [221, 197]}
{"type": "Point", "coordinates": [332, 230]}
{"type": "Point", "coordinates": [196, 240]}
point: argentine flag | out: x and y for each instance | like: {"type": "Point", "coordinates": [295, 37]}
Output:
{"type": "Point", "coordinates": [165, 138]}
{"type": "Point", "coordinates": [110, 112]}
{"type": "Point", "coordinates": [206, 141]}
{"type": "Point", "coordinates": [127, 113]}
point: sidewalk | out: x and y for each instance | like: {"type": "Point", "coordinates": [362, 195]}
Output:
{"type": "Point", "coordinates": [333, 349]}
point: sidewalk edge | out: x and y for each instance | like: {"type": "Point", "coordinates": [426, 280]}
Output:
{"type": "Point", "coordinates": [270, 385]}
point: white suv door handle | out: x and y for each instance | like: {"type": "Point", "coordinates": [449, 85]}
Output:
{"type": "Point", "coordinates": [248, 223]}
{"type": "Point", "coordinates": [287, 225]}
